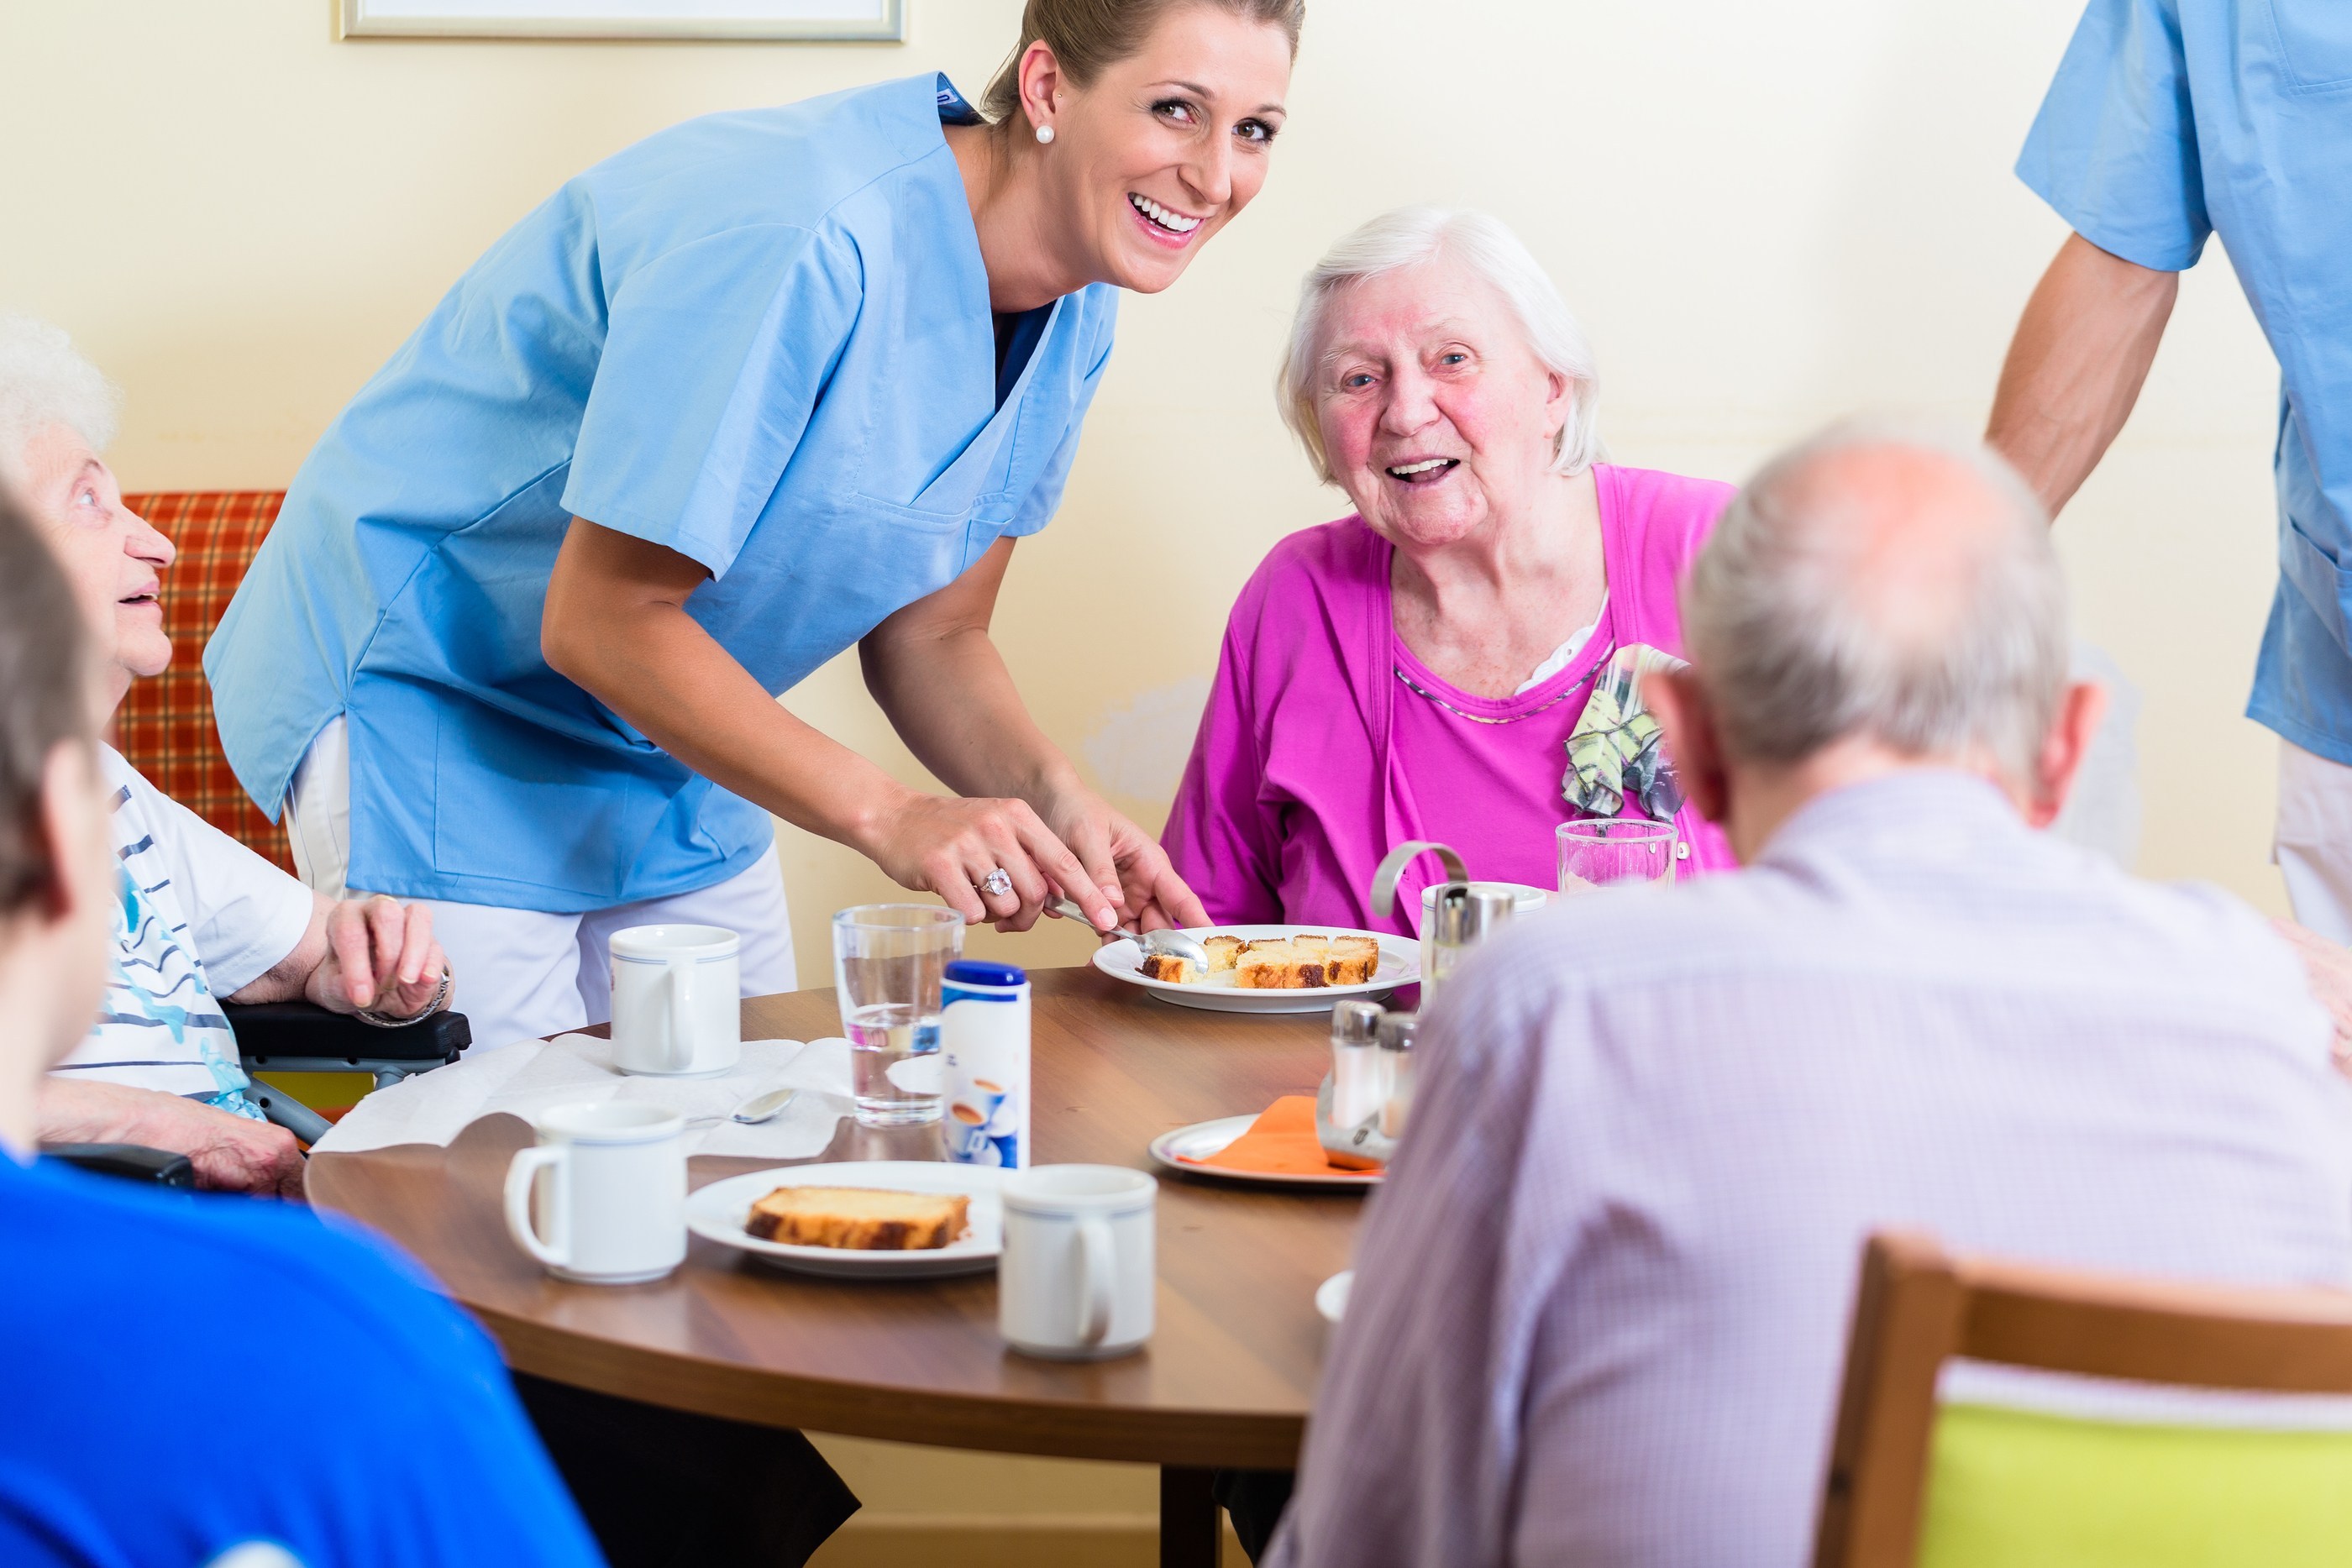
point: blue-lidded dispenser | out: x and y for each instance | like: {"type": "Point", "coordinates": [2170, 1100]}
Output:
{"type": "Point", "coordinates": [985, 1035]}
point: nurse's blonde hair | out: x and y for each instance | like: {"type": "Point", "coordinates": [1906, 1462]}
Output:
{"type": "Point", "coordinates": [1086, 36]}
{"type": "Point", "coordinates": [1409, 236]}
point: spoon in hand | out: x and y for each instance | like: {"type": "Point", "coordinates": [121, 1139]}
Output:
{"type": "Point", "coordinates": [1165, 944]}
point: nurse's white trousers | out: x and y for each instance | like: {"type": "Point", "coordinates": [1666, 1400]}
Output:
{"type": "Point", "coordinates": [2313, 848]}
{"type": "Point", "coordinates": [521, 974]}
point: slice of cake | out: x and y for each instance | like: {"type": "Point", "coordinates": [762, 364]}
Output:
{"type": "Point", "coordinates": [866, 1219]}
{"type": "Point", "coordinates": [1352, 960]}
{"type": "Point", "coordinates": [1170, 968]}
{"type": "Point", "coordinates": [1223, 952]}
{"type": "Point", "coordinates": [1281, 967]}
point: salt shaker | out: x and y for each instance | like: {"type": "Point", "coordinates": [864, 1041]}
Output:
{"type": "Point", "coordinates": [1348, 1106]}
{"type": "Point", "coordinates": [1398, 1031]}
{"type": "Point", "coordinates": [1357, 1091]}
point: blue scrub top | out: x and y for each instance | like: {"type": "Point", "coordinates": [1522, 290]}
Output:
{"type": "Point", "coordinates": [2171, 119]}
{"type": "Point", "coordinates": [762, 339]}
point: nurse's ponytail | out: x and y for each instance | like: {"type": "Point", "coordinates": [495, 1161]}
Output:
{"type": "Point", "coordinates": [1086, 36]}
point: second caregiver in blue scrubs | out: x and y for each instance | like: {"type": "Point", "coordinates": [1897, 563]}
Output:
{"type": "Point", "coordinates": [762, 387]}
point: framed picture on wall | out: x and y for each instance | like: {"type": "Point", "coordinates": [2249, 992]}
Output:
{"type": "Point", "coordinates": [862, 20]}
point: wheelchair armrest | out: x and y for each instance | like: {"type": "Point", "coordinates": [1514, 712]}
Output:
{"type": "Point", "coordinates": [132, 1162]}
{"type": "Point", "coordinates": [266, 1030]}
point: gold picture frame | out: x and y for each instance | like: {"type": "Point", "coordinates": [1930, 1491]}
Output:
{"type": "Point", "coordinates": [833, 21]}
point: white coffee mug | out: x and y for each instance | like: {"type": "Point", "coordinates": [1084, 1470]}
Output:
{"type": "Point", "coordinates": [612, 1211]}
{"type": "Point", "coordinates": [1076, 1278]}
{"type": "Point", "coordinates": [675, 1003]}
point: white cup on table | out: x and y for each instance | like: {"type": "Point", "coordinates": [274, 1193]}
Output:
{"type": "Point", "coordinates": [677, 1007]}
{"type": "Point", "coordinates": [1077, 1278]}
{"type": "Point", "coordinates": [611, 1210]}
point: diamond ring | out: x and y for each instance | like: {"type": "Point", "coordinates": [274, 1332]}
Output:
{"type": "Point", "coordinates": [997, 884]}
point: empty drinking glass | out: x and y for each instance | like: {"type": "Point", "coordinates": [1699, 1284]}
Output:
{"type": "Point", "coordinates": [1597, 850]}
{"type": "Point", "coordinates": [888, 960]}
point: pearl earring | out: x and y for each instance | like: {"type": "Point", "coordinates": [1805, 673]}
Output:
{"type": "Point", "coordinates": [1045, 135]}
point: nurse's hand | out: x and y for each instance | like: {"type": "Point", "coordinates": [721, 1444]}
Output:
{"type": "Point", "coordinates": [1126, 862]}
{"type": "Point", "coordinates": [947, 846]}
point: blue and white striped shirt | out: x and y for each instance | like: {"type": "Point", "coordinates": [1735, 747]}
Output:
{"type": "Point", "coordinates": [199, 916]}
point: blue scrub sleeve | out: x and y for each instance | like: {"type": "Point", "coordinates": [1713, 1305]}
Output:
{"type": "Point", "coordinates": [2113, 150]}
{"type": "Point", "coordinates": [715, 355]}
{"type": "Point", "coordinates": [1044, 497]}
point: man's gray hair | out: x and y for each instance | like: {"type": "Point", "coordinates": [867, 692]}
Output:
{"type": "Point", "coordinates": [45, 381]}
{"type": "Point", "coordinates": [1807, 627]}
{"type": "Point", "coordinates": [1409, 236]}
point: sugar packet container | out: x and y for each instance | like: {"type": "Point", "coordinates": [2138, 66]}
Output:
{"type": "Point", "coordinates": [984, 1037]}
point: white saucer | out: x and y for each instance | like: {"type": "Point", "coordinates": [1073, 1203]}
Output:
{"type": "Point", "coordinates": [1331, 1296]}
{"type": "Point", "coordinates": [718, 1212]}
{"type": "Point", "coordinates": [1178, 1149]}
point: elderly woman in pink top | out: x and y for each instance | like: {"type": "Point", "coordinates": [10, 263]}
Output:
{"type": "Point", "coordinates": [1418, 669]}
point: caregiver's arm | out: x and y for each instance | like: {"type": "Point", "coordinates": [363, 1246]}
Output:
{"type": "Point", "coordinates": [2074, 368]}
{"type": "Point", "coordinates": [615, 622]}
{"type": "Point", "coordinates": [936, 672]}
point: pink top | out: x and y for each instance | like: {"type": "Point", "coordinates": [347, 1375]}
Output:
{"type": "Point", "coordinates": [1287, 821]}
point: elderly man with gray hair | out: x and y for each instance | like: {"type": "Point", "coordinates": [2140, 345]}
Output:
{"type": "Point", "coordinates": [1600, 1303]}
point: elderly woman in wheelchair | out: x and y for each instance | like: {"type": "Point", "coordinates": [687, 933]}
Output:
{"type": "Point", "coordinates": [201, 919]}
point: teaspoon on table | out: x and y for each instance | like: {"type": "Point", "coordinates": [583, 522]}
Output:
{"type": "Point", "coordinates": [1166, 944]}
{"type": "Point", "coordinates": [758, 1109]}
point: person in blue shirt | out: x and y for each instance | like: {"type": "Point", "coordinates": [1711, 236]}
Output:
{"type": "Point", "coordinates": [2170, 121]}
{"type": "Point", "coordinates": [127, 1433]}
{"type": "Point", "coordinates": [763, 387]}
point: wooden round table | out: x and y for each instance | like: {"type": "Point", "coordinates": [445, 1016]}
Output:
{"type": "Point", "coordinates": [1227, 1379]}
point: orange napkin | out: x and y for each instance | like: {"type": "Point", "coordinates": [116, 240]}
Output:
{"type": "Point", "coordinates": [1281, 1141]}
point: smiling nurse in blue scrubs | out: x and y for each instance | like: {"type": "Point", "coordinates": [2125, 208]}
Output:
{"type": "Point", "coordinates": [762, 387]}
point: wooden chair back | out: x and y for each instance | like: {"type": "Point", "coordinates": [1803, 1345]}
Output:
{"type": "Point", "coordinates": [165, 725]}
{"type": "Point", "coordinates": [1918, 1307]}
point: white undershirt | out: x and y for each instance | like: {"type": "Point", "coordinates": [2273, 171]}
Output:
{"type": "Point", "coordinates": [1565, 654]}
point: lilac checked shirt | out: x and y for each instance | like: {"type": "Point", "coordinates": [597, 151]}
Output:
{"type": "Point", "coordinates": [1600, 1309]}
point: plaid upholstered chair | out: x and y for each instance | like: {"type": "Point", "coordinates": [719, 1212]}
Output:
{"type": "Point", "coordinates": [165, 727]}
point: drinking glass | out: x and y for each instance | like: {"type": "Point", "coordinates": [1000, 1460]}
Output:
{"type": "Point", "coordinates": [888, 960]}
{"type": "Point", "coordinates": [1595, 852]}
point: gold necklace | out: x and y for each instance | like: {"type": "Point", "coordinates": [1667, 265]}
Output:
{"type": "Point", "coordinates": [1561, 697]}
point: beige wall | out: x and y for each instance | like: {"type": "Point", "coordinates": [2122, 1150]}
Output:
{"type": "Point", "coordinates": [1766, 215]}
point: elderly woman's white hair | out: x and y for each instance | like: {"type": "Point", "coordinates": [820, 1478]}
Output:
{"type": "Point", "coordinates": [44, 382]}
{"type": "Point", "coordinates": [1409, 236]}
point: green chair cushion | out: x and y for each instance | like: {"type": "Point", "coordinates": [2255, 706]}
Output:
{"type": "Point", "coordinates": [2014, 1489]}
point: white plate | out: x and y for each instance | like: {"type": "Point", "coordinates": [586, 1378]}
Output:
{"type": "Point", "coordinates": [1176, 1151]}
{"type": "Point", "coordinates": [717, 1213]}
{"type": "Point", "coordinates": [1400, 966]}
{"type": "Point", "coordinates": [1331, 1296]}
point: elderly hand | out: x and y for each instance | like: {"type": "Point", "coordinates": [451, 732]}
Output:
{"type": "Point", "coordinates": [1126, 862]}
{"type": "Point", "coordinates": [231, 1153]}
{"type": "Point", "coordinates": [2328, 966]}
{"type": "Point", "coordinates": [381, 956]}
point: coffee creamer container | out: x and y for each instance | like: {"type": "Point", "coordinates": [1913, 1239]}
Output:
{"type": "Point", "coordinates": [985, 1035]}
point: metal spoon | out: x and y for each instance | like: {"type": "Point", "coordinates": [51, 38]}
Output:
{"type": "Point", "coordinates": [1166, 944]}
{"type": "Point", "coordinates": [759, 1108]}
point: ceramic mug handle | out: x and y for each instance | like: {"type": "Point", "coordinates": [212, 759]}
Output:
{"type": "Point", "coordinates": [1094, 1258]}
{"type": "Point", "coordinates": [521, 1176]}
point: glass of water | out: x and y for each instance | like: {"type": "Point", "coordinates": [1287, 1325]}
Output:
{"type": "Point", "coordinates": [1595, 852]}
{"type": "Point", "coordinates": [888, 960]}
